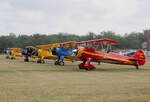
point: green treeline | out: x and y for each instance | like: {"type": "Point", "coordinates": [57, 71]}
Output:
{"type": "Point", "coordinates": [128, 41]}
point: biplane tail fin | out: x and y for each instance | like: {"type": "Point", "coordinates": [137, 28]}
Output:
{"type": "Point", "coordinates": [139, 57]}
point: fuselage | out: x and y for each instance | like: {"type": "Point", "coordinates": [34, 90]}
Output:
{"type": "Point", "coordinates": [101, 56]}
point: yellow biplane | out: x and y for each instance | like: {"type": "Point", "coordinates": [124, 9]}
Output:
{"type": "Point", "coordinates": [13, 52]}
{"type": "Point", "coordinates": [34, 52]}
{"type": "Point", "coordinates": [48, 51]}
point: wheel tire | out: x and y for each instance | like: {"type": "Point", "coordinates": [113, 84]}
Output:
{"type": "Point", "coordinates": [86, 69]}
{"type": "Point", "coordinates": [38, 61]}
{"type": "Point", "coordinates": [7, 57]}
{"type": "Point", "coordinates": [61, 64]}
{"type": "Point", "coordinates": [12, 58]}
{"type": "Point", "coordinates": [137, 67]}
{"type": "Point", "coordinates": [82, 67]}
{"type": "Point", "coordinates": [42, 61]}
{"type": "Point", "coordinates": [26, 60]}
{"type": "Point", "coordinates": [56, 63]}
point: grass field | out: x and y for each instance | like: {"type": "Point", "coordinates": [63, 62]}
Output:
{"type": "Point", "coordinates": [32, 82]}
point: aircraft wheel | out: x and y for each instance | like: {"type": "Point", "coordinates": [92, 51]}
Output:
{"type": "Point", "coordinates": [42, 61]}
{"type": "Point", "coordinates": [7, 57]}
{"type": "Point", "coordinates": [137, 67]}
{"type": "Point", "coordinates": [89, 67]}
{"type": "Point", "coordinates": [38, 61]}
{"type": "Point", "coordinates": [61, 63]}
{"type": "Point", "coordinates": [99, 63]}
{"type": "Point", "coordinates": [12, 58]}
{"type": "Point", "coordinates": [86, 69]}
{"type": "Point", "coordinates": [26, 60]}
{"type": "Point", "coordinates": [56, 63]}
{"type": "Point", "coordinates": [81, 66]}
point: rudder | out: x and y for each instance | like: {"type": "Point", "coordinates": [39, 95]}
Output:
{"type": "Point", "coordinates": [140, 57]}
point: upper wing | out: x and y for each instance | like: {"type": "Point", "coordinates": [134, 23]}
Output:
{"type": "Point", "coordinates": [49, 46]}
{"type": "Point", "coordinates": [16, 49]}
{"type": "Point", "coordinates": [65, 44]}
{"type": "Point", "coordinates": [98, 42]}
{"type": "Point", "coordinates": [85, 43]}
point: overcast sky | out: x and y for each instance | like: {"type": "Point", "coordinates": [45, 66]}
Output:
{"type": "Point", "coordinates": [73, 16]}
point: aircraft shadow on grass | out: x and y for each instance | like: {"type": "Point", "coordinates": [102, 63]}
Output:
{"type": "Point", "coordinates": [119, 69]}
{"type": "Point", "coordinates": [75, 69]}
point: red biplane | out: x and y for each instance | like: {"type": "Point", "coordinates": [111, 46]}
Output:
{"type": "Point", "coordinates": [88, 51]}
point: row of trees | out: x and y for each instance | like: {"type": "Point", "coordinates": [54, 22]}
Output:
{"type": "Point", "coordinates": [128, 41]}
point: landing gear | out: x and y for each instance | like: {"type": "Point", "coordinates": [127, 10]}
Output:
{"type": "Point", "coordinates": [59, 63]}
{"type": "Point", "coordinates": [89, 67]}
{"type": "Point", "coordinates": [41, 61]}
{"type": "Point", "coordinates": [7, 57]}
{"type": "Point", "coordinates": [99, 63]}
{"type": "Point", "coordinates": [86, 66]}
{"type": "Point", "coordinates": [56, 63]}
{"type": "Point", "coordinates": [12, 58]}
{"type": "Point", "coordinates": [137, 67]}
{"type": "Point", "coordinates": [26, 59]}
{"type": "Point", "coordinates": [81, 66]}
